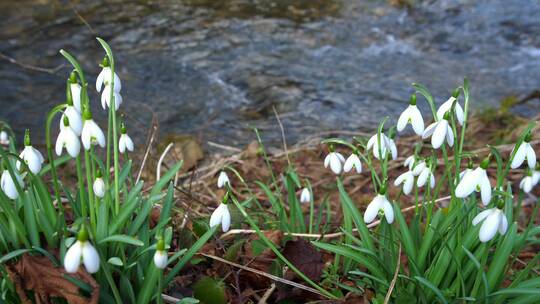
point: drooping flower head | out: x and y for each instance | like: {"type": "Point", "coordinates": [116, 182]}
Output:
{"type": "Point", "coordinates": [74, 115]}
{"type": "Point", "coordinates": [407, 179]}
{"type": "Point", "coordinates": [493, 220]}
{"type": "Point", "coordinates": [104, 78]}
{"type": "Point", "coordinates": [424, 176]}
{"type": "Point", "coordinates": [379, 205]}
{"type": "Point", "coordinates": [82, 251]}
{"type": "Point", "coordinates": [305, 196]}
{"type": "Point", "coordinates": [221, 215]}
{"type": "Point", "coordinates": [223, 179]}
{"type": "Point", "coordinates": [125, 142]}
{"type": "Point", "coordinates": [447, 106]}
{"type": "Point", "coordinates": [524, 151]}
{"type": "Point", "coordinates": [386, 144]}
{"type": "Point", "coordinates": [8, 184]}
{"type": "Point", "coordinates": [439, 132]}
{"type": "Point", "coordinates": [412, 116]}
{"type": "Point", "coordinates": [91, 133]}
{"type": "Point", "coordinates": [67, 139]}
{"type": "Point", "coordinates": [74, 89]}
{"type": "Point", "coordinates": [99, 185]}
{"type": "Point", "coordinates": [476, 180]}
{"type": "Point", "coordinates": [160, 257]}
{"type": "Point", "coordinates": [527, 183]}
{"type": "Point", "coordinates": [334, 160]}
{"type": "Point", "coordinates": [353, 161]}
{"type": "Point", "coordinates": [4, 138]}
{"type": "Point", "coordinates": [31, 156]}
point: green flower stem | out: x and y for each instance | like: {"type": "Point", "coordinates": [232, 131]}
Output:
{"type": "Point", "coordinates": [80, 181]}
{"type": "Point", "coordinates": [278, 253]}
{"type": "Point", "coordinates": [50, 117]}
{"type": "Point", "coordinates": [90, 183]}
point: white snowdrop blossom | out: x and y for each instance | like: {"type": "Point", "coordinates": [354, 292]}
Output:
{"type": "Point", "coordinates": [379, 203]}
{"type": "Point", "coordinates": [423, 177]}
{"type": "Point", "coordinates": [353, 161]}
{"type": "Point", "coordinates": [527, 183]}
{"type": "Point", "coordinates": [447, 106]}
{"type": "Point", "coordinates": [335, 161]}
{"type": "Point", "coordinates": [493, 220]}
{"type": "Point", "coordinates": [125, 142]}
{"type": "Point", "coordinates": [223, 179]}
{"type": "Point", "coordinates": [8, 185]}
{"type": "Point", "coordinates": [31, 156]}
{"type": "Point", "coordinates": [76, 95]}
{"type": "Point", "coordinates": [409, 162]}
{"type": "Point", "coordinates": [535, 177]}
{"type": "Point", "coordinates": [91, 133]}
{"type": "Point", "coordinates": [99, 186]}
{"type": "Point", "coordinates": [439, 132]}
{"type": "Point", "coordinates": [4, 138]}
{"type": "Point", "coordinates": [160, 257]}
{"type": "Point", "coordinates": [476, 180]}
{"type": "Point", "coordinates": [412, 116]}
{"type": "Point", "coordinates": [75, 119]}
{"type": "Point", "coordinates": [305, 196]}
{"type": "Point", "coordinates": [465, 172]}
{"type": "Point", "coordinates": [67, 139]}
{"type": "Point", "coordinates": [524, 151]}
{"type": "Point", "coordinates": [407, 179]}
{"type": "Point", "coordinates": [106, 98]}
{"type": "Point", "coordinates": [221, 216]}
{"type": "Point", "coordinates": [81, 251]}
{"type": "Point", "coordinates": [386, 144]}
{"type": "Point", "coordinates": [104, 78]}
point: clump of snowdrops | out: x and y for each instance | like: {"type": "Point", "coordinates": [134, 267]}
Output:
{"type": "Point", "coordinates": [111, 235]}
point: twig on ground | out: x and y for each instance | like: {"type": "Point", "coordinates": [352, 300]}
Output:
{"type": "Point", "coordinates": [160, 161]}
{"type": "Point", "coordinates": [267, 294]}
{"type": "Point", "coordinates": [32, 67]}
{"type": "Point", "coordinates": [151, 136]}
{"type": "Point", "coordinates": [81, 18]}
{"type": "Point", "coordinates": [394, 279]}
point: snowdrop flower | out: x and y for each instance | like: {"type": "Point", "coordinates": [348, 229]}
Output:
{"type": "Point", "coordinates": [386, 144]}
{"type": "Point", "coordinates": [447, 106]}
{"type": "Point", "coordinates": [476, 180]}
{"type": "Point", "coordinates": [223, 179]}
{"type": "Point", "coordinates": [439, 131]}
{"type": "Point", "coordinates": [493, 220]}
{"type": "Point", "coordinates": [409, 162]}
{"type": "Point", "coordinates": [407, 179]}
{"type": "Point", "coordinates": [4, 138]}
{"type": "Point", "coordinates": [125, 142]}
{"type": "Point", "coordinates": [379, 203]}
{"type": "Point", "coordinates": [104, 77]}
{"type": "Point", "coordinates": [466, 172]}
{"type": "Point", "coordinates": [82, 251]}
{"type": "Point", "coordinates": [106, 98]}
{"type": "Point", "coordinates": [524, 151]}
{"type": "Point", "coordinates": [353, 161]}
{"type": "Point", "coordinates": [305, 196]}
{"type": "Point", "coordinates": [527, 183]}
{"type": "Point", "coordinates": [75, 91]}
{"type": "Point", "coordinates": [67, 139]}
{"type": "Point", "coordinates": [416, 166]}
{"type": "Point", "coordinates": [31, 156]}
{"type": "Point", "coordinates": [75, 119]}
{"type": "Point", "coordinates": [535, 177]}
{"type": "Point", "coordinates": [335, 160]}
{"type": "Point", "coordinates": [425, 173]}
{"type": "Point", "coordinates": [413, 116]}
{"type": "Point", "coordinates": [221, 216]}
{"type": "Point", "coordinates": [99, 185]}
{"type": "Point", "coordinates": [160, 257]}
{"type": "Point", "coordinates": [91, 133]}
{"type": "Point", "coordinates": [8, 185]}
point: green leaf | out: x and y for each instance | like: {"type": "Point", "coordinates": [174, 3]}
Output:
{"type": "Point", "coordinates": [164, 180]}
{"type": "Point", "coordinates": [122, 238]}
{"type": "Point", "coordinates": [496, 270]}
{"type": "Point", "coordinates": [13, 254]}
{"type": "Point", "coordinates": [209, 290]}
{"type": "Point", "coordinates": [116, 261]}
{"type": "Point", "coordinates": [433, 288]}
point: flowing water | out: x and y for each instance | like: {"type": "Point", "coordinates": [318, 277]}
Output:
{"type": "Point", "coordinates": [216, 68]}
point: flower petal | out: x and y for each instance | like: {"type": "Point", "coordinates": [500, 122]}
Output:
{"type": "Point", "coordinates": [489, 227]}
{"type": "Point", "coordinates": [429, 130]}
{"type": "Point", "coordinates": [388, 211]}
{"type": "Point", "coordinates": [439, 134]}
{"type": "Point", "coordinates": [481, 216]}
{"type": "Point", "coordinates": [417, 121]}
{"type": "Point", "coordinates": [72, 259]}
{"type": "Point", "coordinates": [372, 210]}
{"type": "Point", "coordinates": [531, 156]}
{"type": "Point", "coordinates": [467, 185]}
{"type": "Point", "coordinates": [225, 219]}
{"type": "Point", "coordinates": [519, 156]}
{"type": "Point", "coordinates": [403, 119]}
{"type": "Point", "coordinates": [90, 258]}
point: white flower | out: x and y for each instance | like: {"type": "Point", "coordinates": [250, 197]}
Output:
{"type": "Point", "coordinates": [8, 185]}
{"type": "Point", "coordinates": [223, 179]}
{"type": "Point", "coordinates": [465, 173]}
{"type": "Point", "coordinates": [75, 119]}
{"type": "Point", "coordinates": [104, 77]}
{"type": "Point", "coordinates": [525, 151]}
{"type": "Point", "coordinates": [447, 106]}
{"type": "Point", "coordinates": [305, 196]}
{"type": "Point", "coordinates": [125, 143]}
{"type": "Point", "coordinates": [353, 161]}
{"type": "Point", "coordinates": [91, 134]}
{"type": "Point", "coordinates": [160, 259]}
{"type": "Point", "coordinates": [409, 162]}
{"type": "Point", "coordinates": [221, 215]}
{"type": "Point", "coordinates": [335, 161]}
{"type": "Point", "coordinates": [413, 116]}
{"type": "Point", "coordinates": [379, 203]}
{"type": "Point", "coordinates": [493, 220]}
{"type": "Point", "coordinates": [535, 177]}
{"type": "Point", "coordinates": [99, 187]}
{"type": "Point", "coordinates": [81, 251]}
{"type": "Point", "coordinates": [4, 138]}
{"type": "Point", "coordinates": [76, 95]}
{"type": "Point", "coordinates": [407, 179]}
{"type": "Point", "coordinates": [419, 167]}
{"type": "Point", "coordinates": [33, 159]}
{"type": "Point", "coordinates": [475, 180]}
{"type": "Point", "coordinates": [527, 183]}
{"type": "Point", "coordinates": [439, 131]}
{"type": "Point", "coordinates": [69, 140]}
{"type": "Point", "coordinates": [423, 177]}
{"type": "Point", "coordinates": [386, 144]}
{"type": "Point", "coordinates": [106, 98]}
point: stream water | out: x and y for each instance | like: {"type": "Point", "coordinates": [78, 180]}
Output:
{"type": "Point", "coordinates": [216, 68]}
